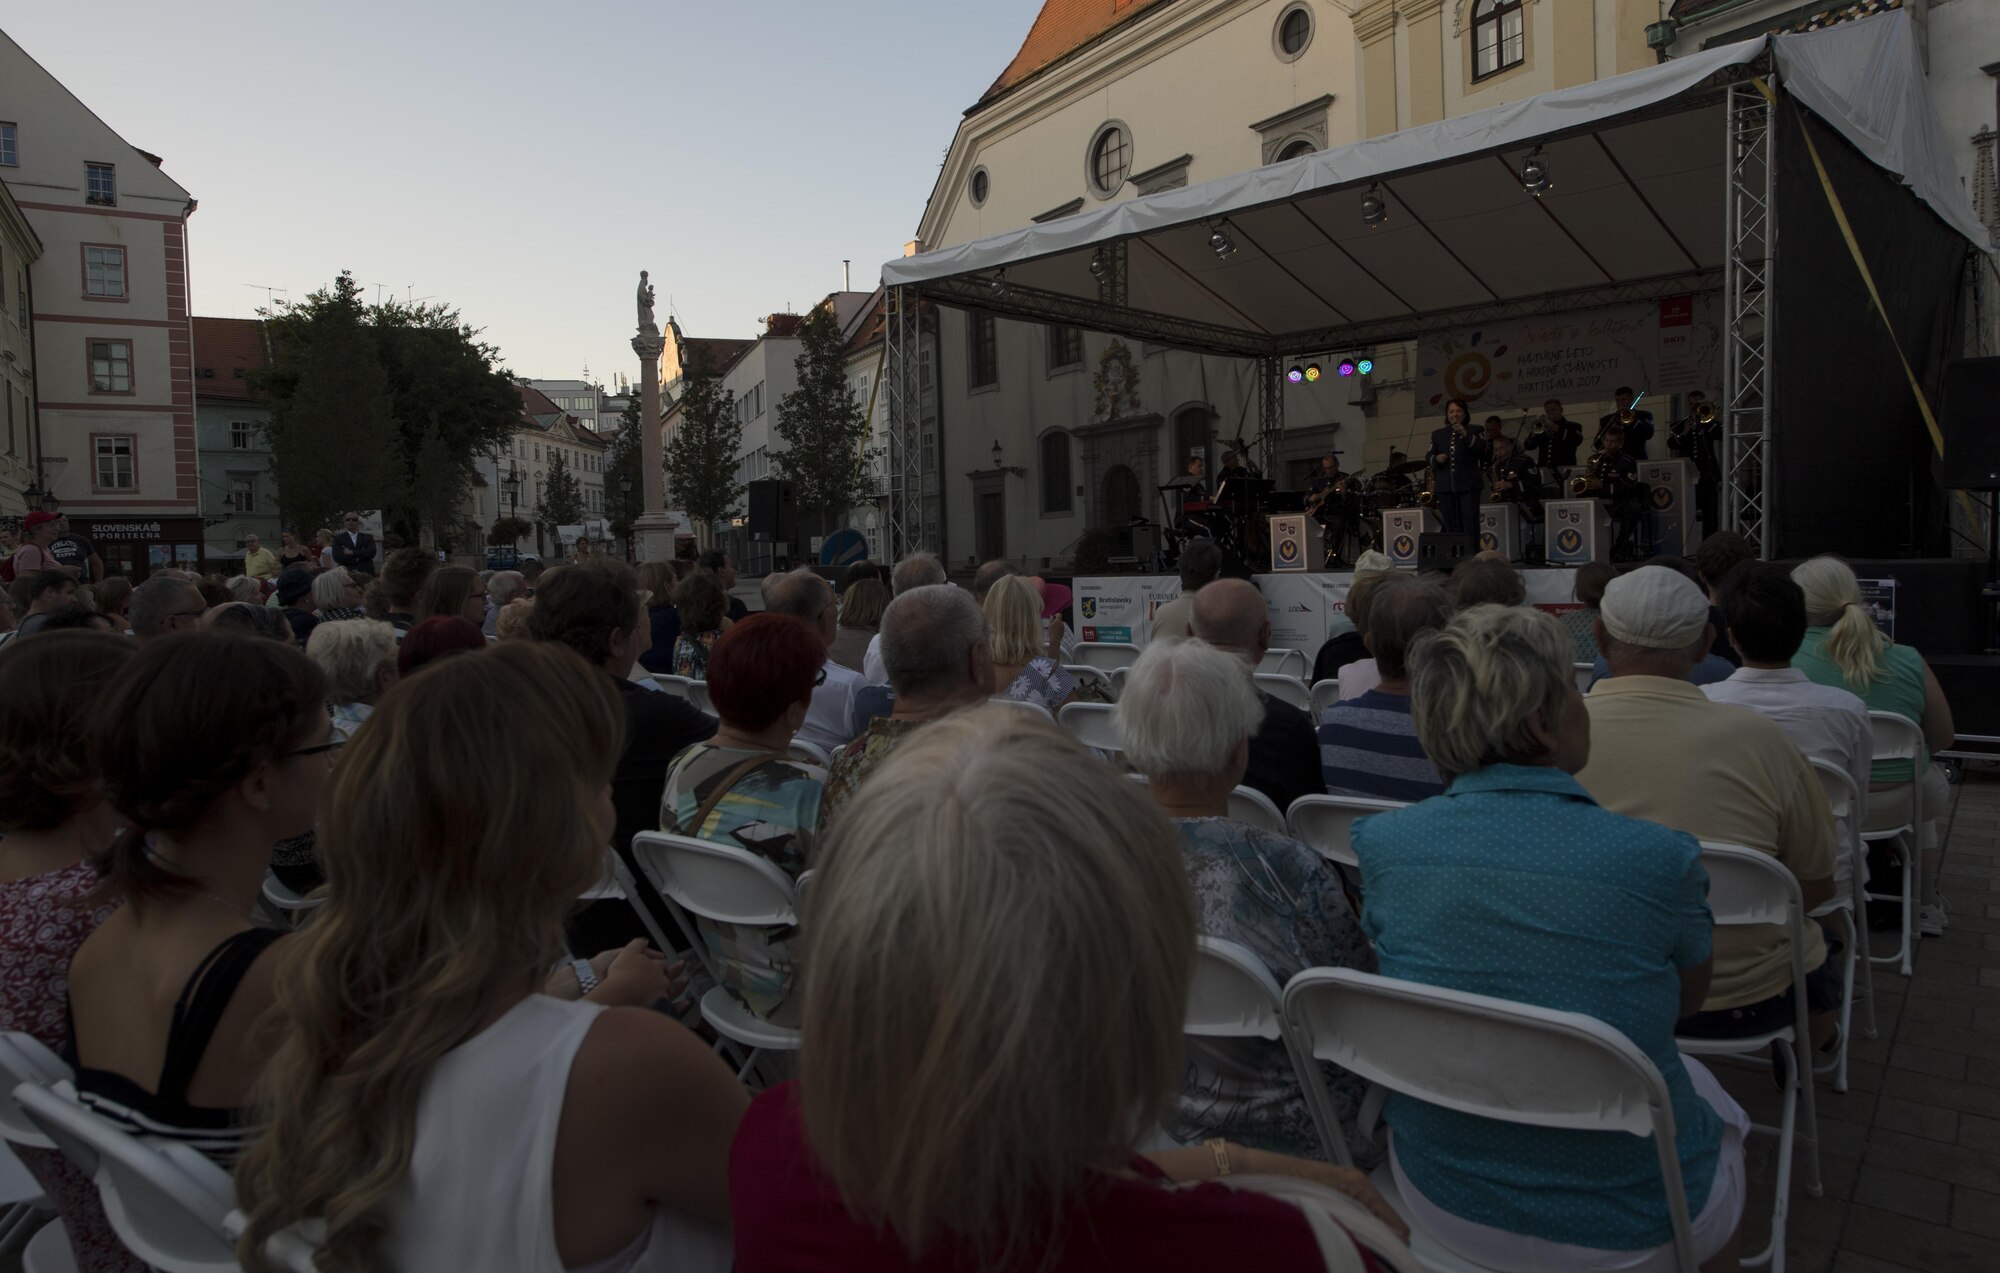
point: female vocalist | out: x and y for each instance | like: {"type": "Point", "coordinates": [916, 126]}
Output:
{"type": "Point", "coordinates": [1458, 464]}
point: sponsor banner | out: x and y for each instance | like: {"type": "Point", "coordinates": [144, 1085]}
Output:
{"type": "Point", "coordinates": [1120, 609]}
{"type": "Point", "coordinates": [1662, 347]}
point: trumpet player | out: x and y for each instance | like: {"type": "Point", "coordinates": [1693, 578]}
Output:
{"type": "Point", "coordinates": [1555, 439]}
{"type": "Point", "coordinates": [1698, 437]}
{"type": "Point", "coordinates": [1458, 460]}
{"type": "Point", "coordinates": [1638, 425]}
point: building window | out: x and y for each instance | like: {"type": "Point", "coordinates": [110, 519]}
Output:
{"type": "Point", "coordinates": [1110, 159]}
{"type": "Point", "coordinates": [1055, 472]}
{"type": "Point", "coordinates": [100, 184]}
{"type": "Point", "coordinates": [104, 272]}
{"type": "Point", "coordinates": [979, 186]}
{"type": "Point", "coordinates": [1293, 32]}
{"type": "Point", "coordinates": [243, 494]}
{"type": "Point", "coordinates": [1296, 150]}
{"type": "Point", "coordinates": [10, 154]}
{"type": "Point", "coordinates": [111, 366]}
{"type": "Point", "coordinates": [1497, 37]}
{"type": "Point", "coordinates": [114, 462]}
{"type": "Point", "coordinates": [1065, 346]}
{"type": "Point", "coordinates": [240, 434]}
{"type": "Point", "coordinates": [983, 358]}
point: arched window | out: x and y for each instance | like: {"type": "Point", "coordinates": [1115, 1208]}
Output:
{"type": "Point", "coordinates": [1056, 485]}
{"type": "Point", "coordinates": [1296, 149]}
{"type": "Point", "coordinates": [1497, 38]}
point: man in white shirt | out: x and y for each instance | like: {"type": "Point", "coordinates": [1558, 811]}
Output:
{"type": "Point", "coordinates": [805, 596]}
{"type": "Point", "coordinates": [1765, 614]}
{"type": "Point", "coordinates": [919, 570]}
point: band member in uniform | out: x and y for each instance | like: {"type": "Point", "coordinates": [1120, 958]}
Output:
{"type": "Point", "coordinates": [1699, 438]}
{"type": "Point", "coordinates": [1334, 508]}
{"type": "Point", "coordinates": [1391, 486]}
{"type": "Point", "coordinates": [1555, 439]}
{"type": "Point", "coordinates": [1233, 465]}
{"type": "Point", "coordinates": [1458, 469]}
{"type": "Point", "coordinates": [1194, 481]}
{"type": "Point", "coordinates": [1516, 480]}
{"type": "Point", "coordinates": [1638, 430]}
{"type": "Point", "coordinates": [1496, 428]}
{"type": "Point", "coordinates": [1617, 475]}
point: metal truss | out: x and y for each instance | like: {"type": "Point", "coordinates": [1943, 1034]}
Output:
{"type": "Point", "coordinates": [1746, 298]}
{"type": "Point", "coordinates": [1111, 289]}
{"type": "Point", "coordinates": [1270, 412]}
{"type": "Point", "coordinates": [903, 335]}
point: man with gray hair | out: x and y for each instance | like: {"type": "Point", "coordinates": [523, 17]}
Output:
{"type": "Point", "coordinates": [988, 575]}
{"type": "Point", "coordinates": [502, 587]}
{"type": "Point", "coordinates": [162, 606]}
{"type": "Point", "coordinates": [1230, 615]}
{"type": "Point", "coordinates": [809, 598]}
{"type": "Point", "coordinates": [1200, 565]}
{"type": "Point", "coordinates": [918, 570]}
{"type": "Point", "coordinates": [934, 643]}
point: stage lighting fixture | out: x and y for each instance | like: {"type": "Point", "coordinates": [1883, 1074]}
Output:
{"type": "Point", "coordinates": [1098, 266]}
{"type": "Point", "coordinates": [1374, 211]}
{"type": "Point", "coordinates": [1312, 372]}
{"type": "Point", "coordinates": [1220, 243]}
{"type": "Point", "coordinates": [1365, 366]}
{"type": "Point", "coordinates": [1347, 366]}
{"type": "Point", "coordinates": [998, 287]}
{"type": "Point", "coordinates": [1296, 375]}
{"type": "Point", "coordinates": [1535, 174]}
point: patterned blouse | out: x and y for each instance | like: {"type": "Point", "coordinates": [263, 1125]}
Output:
{"type": "Point", "coordinates": [1582, 637]}
{"type": "Point", "coordinates": [1284, 902]}
{"type": "Point", "coordinates": [691, 655]}
{"type": "Point", "coordinates": [1042, 681]}
{"type": "Point", "coordinates": [854, 762]}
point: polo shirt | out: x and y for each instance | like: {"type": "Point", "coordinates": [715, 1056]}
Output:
{"type": "Point", "coordinates": [1368, 747]}
{"type": "Point", "coordinates": [1660, 750]}
{"type": "Point", "coordinates": [261, 564]}
{"type": "Point", "coordinates": [1823, 722]}
{"type": "Point", "coordinates": [1516, 884]}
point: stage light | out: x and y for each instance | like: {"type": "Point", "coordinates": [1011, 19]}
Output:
{"type": "Point", "coordinates": [1365, 366]}
{"type": "Point", "coordinates": [1374, 211]}
{"type": "Point", "coordinates": [1098, 266]}
{"type": "Point", "coordinates": [1312, 372]}
{"type": "Point", "coordinates": [1296, 375]}
{"type": "Point", "coordinates": [1535, 174]}
{"type": "Point", "coordinates": [998, 287]}
{"type": "Point", "coordinates": [1347, 366]}
{"type": "Point", "coordinates": [1220, 243]}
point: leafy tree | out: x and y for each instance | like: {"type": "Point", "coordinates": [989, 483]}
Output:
{"type": "Point", "coordinates": [561, 497]}
{"type": "Point", "coordinates": [822, 426]}
{"type": "Point", "coordinates": [438, 485]}
{"type": "Point", "coordinates": [509, 530]}
{"type": "Point", "coordinates": [701, 456]}
{"type": "Point", "coordinates": [625, 462]}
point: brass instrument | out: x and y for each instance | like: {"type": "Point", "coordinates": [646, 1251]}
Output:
{"type": "Point", "coordinates": [1677, 435]}
{"type": "Point", "coordinates": [1428, 496]}
{"type": "Point", "coordinates": [1591, 480]}
{"type": "Point", "coordinates": [1705, 413]}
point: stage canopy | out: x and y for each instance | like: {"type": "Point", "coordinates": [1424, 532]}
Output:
{"type": "Point", "coordinates": [1637, 166]}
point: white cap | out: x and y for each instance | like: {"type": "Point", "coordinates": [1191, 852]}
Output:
{"type": "Point", "coordinates": [1654, 607]}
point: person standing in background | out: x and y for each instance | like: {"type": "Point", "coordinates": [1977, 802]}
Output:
{"type": "Point", "coordinates": [354, 547]}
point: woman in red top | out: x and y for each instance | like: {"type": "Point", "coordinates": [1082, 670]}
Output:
{"type": "Point", "coordinates": [998, 945]}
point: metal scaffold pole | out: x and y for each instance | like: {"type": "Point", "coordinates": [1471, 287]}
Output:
{"type": "Point", "coordinates": [1747, 278]}
{"type": "Point", "coordinates": [905, 520]}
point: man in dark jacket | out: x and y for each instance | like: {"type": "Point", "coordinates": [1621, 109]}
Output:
{"type": "Point", "coordinates": [1229, 614]}
{"type": "Point", "coordinates": [354, 547]}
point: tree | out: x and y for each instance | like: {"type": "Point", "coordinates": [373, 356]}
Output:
{"type": "Point", "coordinates": [561, 497]}
{"type": "Point", "coordinates": [822, 426]}
{"type": "Point", "coordinates": [333, 435]}
{"type": "Point", "coordinates": [438, 484]}
{"type": "Point", "coordinates": [701, 456]}
{"type": "Point", "coordinates": [625, 462]}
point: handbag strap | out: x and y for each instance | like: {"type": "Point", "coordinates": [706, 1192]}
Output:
{"type": "Point", "coordinates": [735, 775]}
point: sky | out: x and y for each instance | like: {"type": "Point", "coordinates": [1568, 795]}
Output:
{"type": "Point", "coordinates": [524, 161]}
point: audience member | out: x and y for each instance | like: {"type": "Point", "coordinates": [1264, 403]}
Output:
{"type": "Point", "coordinates": [716, 564]}
{"type": "Point", "coordinates": [703, 607]}
{"type": "Point", "coordinates": [939, 659]}
{"type": "Point", "coordinates": [424, 1103]}
{"type": "Point", "coordinates": [1487, 580]}
{"type": "Point", "coordinates": [1588, 590]}
{"type": "Point", "coordinates": [1200, 565]}
{"type": "Point", "coordinates": [295, 597]}
{"type": "Point", "coordinates": [322, 548]}
{"type": "Point", "coordinates": [742, 788]}
{"type": "Point", "coordinates": [805, 596]}
{"type": "Point", "coordinates": [1357, 676]}
{"type": "Point", "coordinates": [77, 618]}
{"type": "Point", "coordinates": [164, 605]}
{"type": "Point", "coordinates": [856, 572]}
{"type": "Point", "coordinates": [658, 581]}
{"type": "Point", "coordinates": [336, 596]}
{"type": "Point", "coordinates": [358, 659]}
{"type": "Point", "coordinates": [292, 553]}
{"type": "Point", "coordinates": [452, 592]}
{"type": "Point", "coordinates": [1022, 669]}
{"type": "Point", "coordinates": [1368, 746]}
{"type": "Point", "coordinates": [502, 587]}
{"type": "Point", "coordinates": [988, 574]}
{"type": "Point", "coordinates": [245, 589]}
{"type": "Point", "coordinates": [244, 618]}
{"type": "Point", "coordinates": [1766, 617]}
{"type": "Point", "coordinates": [39, 594]}
{"type": "Point", "coordinates": [918, 570]}
{"type": "Point", "coordinates": [861, 609]}
{"type": "Point", "coordinates": [513, 624]}
{"type": "Point", "coordinates": [404, 574]}
{"type": "Point", "coordinates": [1056, 597]}
{"type": "Point", "coordinates": [52, 818]}
{"type": "Point", "coordinates": [354, 547]}
{"type": "Point", "coordinates": [114, 598]}
{"type": "Point", "coordinates": [214, 591]}
{"type": "Point", "coordinates": [1185, 720]}
{"type": "Point", "coordinates": [965, 1094]}
{"type": "Point", "coordinates": [1230, 615]}
{"type": "Point", "coordinates": [39, 532]}
{"type": "Point", "coordinates": [259, 562]}
{"type": "Point", "coordinates": [1713, 666]}
{"type": "Point", "coordinates": [72, 549]}
{"type": "Point", "coordinates": [1515, 884]}
{"type": "Point", "coordinates": [1659, 750]}
{"type": "Point", "coordinates": [212, 747]}
{"type": "Point", "coordinates": [438, 637]}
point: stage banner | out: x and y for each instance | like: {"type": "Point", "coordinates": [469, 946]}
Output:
{"type": "Point", "coordinates": [1300, 607]}
{"type": "Point", "coordinates": [1120, 608]}
{"type": "Point", "coordinates": [1662, 347]}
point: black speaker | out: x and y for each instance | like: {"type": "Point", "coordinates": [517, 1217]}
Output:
{"type": "Point", "coordinates": [1971, 421]}
{"type": "Point", "coordinates": [773, 514]}
{"type": "Point", "coordinates": [1442, 551]}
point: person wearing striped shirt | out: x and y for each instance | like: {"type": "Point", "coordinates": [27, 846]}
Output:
{"type": "Point", "coordinates": [1368, 745]}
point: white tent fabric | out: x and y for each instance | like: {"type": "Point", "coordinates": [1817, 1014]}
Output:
{"type": "Point", "coordinates": [1636, 203]}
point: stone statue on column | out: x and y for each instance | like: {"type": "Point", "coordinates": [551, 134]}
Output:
{"type": "Point", "coordinates": [654, 530]}
{"type": "Point", "coordinates": [648, 326]}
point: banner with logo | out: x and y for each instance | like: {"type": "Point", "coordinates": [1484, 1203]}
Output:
{"type": "Point", "coordinates": [1121, 609]}
{"type": "Point", "coordinates": [1661, 347]}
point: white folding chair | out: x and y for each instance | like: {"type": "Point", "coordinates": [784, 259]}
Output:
{"type": "Point", "coordinates": [1327, 823]}
{"type": "Point", "coordinates": [675, 685]}
{"type": "Point", "coordinates": [165, 1201]}
{"type": "Point", "coordinates": [1585, 673]}
{"type": "Point", "coordinates": [48, 1251]}
{"type": "Point", "coordinates": [1286, 689]}
{"type": "Point", "coordinates": [1106, 656]}
{"type": "Point", "coordinates": [1234, 996]}
{"type": "Point", "coordinates": [23, 1209]}
{"type": "Point", "coordinates": [1749, 887]}
{"type": "Point", "coordinates": [723, 884]}
{"type": "Point", "coordinates": [1898, 813]}
{"type": "Point", "coordinates": [1247, 804]}
{"type": "Point", "coordinates": [1036, 708]}
{"type": "Point", "coordinates": [811, 753]}
{"type": "Point", "coordinates": [1118, 675]}
{"type": "Point", "coordinates": [1324, 695]}
{"type": "Point", "coordinates": [1090, 724]}
{"type": "Point", "coordinates": [291, 906]}
{"type": "Point", "coordinates": [1084, 673]}
{"type": "Point", "coordinates": [1292, 663]}
{"type": "Point", "coordinates": [697, 693]}
{"type": "Point", "coordinates": [290, 1249]}
{"type": "Point", "coordinates": [1493, 1058]}
{"type": "Point", "coordinates": [1843, 801]}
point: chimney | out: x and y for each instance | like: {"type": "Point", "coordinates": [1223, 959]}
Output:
{"type": "Point", "coordinates": [914, 247]}
{"type": "Point", "coordinates": [846, 275]}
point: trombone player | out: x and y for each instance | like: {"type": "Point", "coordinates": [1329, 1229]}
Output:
{"type": "Point", "coordinates": [1698, 437]}
{"type": "Point", "coordinates": [1637, 424]}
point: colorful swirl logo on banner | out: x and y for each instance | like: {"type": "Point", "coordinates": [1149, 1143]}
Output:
{"type": "Point", "coordinates": [1469, 371]}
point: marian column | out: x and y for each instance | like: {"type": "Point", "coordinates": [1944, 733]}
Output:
{"type": "Point", "coordinates": [653, 532]}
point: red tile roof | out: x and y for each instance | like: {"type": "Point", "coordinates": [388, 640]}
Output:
{"type": "Point", "coordinates": [715, 354]}
{"type": "Point", "coordinates": [1062, 28]}
{"type": "Point", "coordinates": [536, 403]}
{"type": "Point", "coordinates": [225, 349]}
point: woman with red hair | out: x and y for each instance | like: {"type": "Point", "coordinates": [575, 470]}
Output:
{"type": "Point", "coordinates": [741, 788]}
{"type": "Point", "coordinates": [435, 638]}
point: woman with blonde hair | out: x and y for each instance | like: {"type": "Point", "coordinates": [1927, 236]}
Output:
{"type": "Point", "coordinates": [1022, 669]}
{"type": "Point", "coordinates": [426, 1104]}
{"type": "Point", "coordinates": [967, 1094]}
{"type": "Point", "coordinates": [861, 608]}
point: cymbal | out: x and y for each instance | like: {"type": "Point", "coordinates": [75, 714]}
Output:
{"type": "Point", "coordinates": [1407, 466]}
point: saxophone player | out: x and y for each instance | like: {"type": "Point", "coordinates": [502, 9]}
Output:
{"type": "Point", "coordinates": [1637, 425]}
{"type": "Point", "coordinates": [1555, 439]}
{"type": "Point", "coordinates": [1698, 437]}
{"type": "Point", "coordinates": [1613, 476]}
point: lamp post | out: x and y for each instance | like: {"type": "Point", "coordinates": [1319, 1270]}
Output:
{"type": "Point", "coordinates": [512, 485]}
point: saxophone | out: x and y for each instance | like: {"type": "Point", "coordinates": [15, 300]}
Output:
{"type": "Point", "coordinates": [1591, 480]}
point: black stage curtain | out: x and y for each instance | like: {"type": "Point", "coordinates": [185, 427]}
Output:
{"type": "Point", "coordinates": [1853, 466]}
